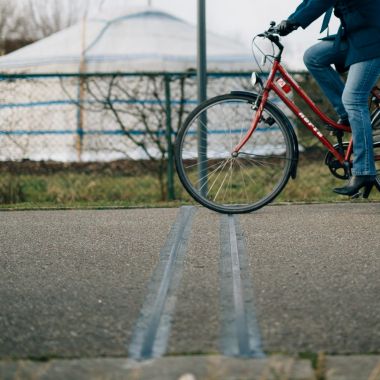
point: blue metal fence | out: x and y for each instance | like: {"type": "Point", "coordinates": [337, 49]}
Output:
{"type": "Point", "coordinates": [52, 105]}
{"type": "Point", "coordinates": [100, 117]}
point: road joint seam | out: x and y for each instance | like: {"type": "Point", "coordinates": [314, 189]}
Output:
{"type": "Point", "coordinates": [152, 330]}
{"type": "Point", "coordinates": [240, 336]}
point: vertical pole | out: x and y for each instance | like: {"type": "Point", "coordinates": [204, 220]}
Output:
{"type": "Point", "coordinates": [202, 96]}
{"type": "Point", "coordinates": [169, 140]}
{"type": "Point", "coordinates": [202, 52]}
{"type": "Point", "coordinates": [80, 117]}
{"type": "Point", "coordinates": [81, 92]}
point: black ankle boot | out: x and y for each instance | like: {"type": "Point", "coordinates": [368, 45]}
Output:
{"type": "Point", "coordinates": [355, 183]}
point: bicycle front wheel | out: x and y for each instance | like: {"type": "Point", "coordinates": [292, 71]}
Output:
{"type": "Point", "coordinates": [215, 177]}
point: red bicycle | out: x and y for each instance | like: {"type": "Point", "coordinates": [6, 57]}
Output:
{"type": "Point", "coordinates": [236, 152]}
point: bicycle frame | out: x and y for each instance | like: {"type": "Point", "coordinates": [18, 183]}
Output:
{"type": "Point", "coordinates": [271, 85]}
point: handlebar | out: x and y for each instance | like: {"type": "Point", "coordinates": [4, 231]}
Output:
{"type": "Point", "coordinates": [272, 30]}
{"type": "Point", "coordinates": [272, 34]}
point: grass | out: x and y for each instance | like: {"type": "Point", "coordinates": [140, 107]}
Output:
{"type": "Point", "coordinates": [103, 190]}
{"type": "Point", "coordinates": [76, 190]}
{"type": "Point", "coordinates": [314, 183]}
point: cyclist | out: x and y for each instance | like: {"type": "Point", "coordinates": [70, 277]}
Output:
{"type": "Point", "coordinates": [356, 48]}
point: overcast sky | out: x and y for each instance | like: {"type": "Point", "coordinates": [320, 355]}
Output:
{"type": "Point", "coordinates": [242, 19]}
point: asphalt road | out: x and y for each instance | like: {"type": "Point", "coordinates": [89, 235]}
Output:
{"type": "Point", "coordinates": [82, 284]}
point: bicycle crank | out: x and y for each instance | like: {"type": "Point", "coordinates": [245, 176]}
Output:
{"type": "Point", "coordinates": [337, 169]}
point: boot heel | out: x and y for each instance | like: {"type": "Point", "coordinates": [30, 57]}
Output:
{"type": "Point", "coordinates": [367, 190]}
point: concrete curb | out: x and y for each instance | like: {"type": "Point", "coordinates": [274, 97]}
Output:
{"type": "Point", "coordinates": [170, 368]}
{"type": "Point", "coordinates": [355, 367]}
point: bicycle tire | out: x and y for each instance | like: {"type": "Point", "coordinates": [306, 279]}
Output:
{"type": "Point", "coordinates": [375, 120]}
{"type": "Point", "coordinates": [251, 180]}
{"type": "Point", "coordinates": [376, 148]}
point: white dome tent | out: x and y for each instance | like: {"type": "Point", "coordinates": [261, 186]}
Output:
{"type": "Point", "coordinates": [140, 39]}
{"type": "Point", "coordinates": [119, 40]}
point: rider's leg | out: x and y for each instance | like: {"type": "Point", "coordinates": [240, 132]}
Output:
{"type": "Point", "coordinates": [361, 78]}
{"type": "Point", "coordinates": [319, 59]}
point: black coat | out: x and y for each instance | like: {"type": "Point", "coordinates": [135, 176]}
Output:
{"type": "Point", "coordinates": [360, 24]}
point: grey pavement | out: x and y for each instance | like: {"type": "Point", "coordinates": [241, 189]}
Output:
{"type": "Point", "coordinates": [73, 283]}
{"type": "Point", "coordinates": [316, 271]}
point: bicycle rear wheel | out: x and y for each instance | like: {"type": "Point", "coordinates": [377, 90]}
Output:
{"type": "Point", "coordinates": [375, 120]}
{"type": "Point", "coordinates": [376, 148]}
{"type": "Point", "coordinates": [217, 179]}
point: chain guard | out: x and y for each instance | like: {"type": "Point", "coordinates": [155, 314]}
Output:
{"type": "Point", "coordinates": [337, 169]}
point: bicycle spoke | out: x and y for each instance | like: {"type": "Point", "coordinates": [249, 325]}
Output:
{"type": "Point", "coordinates": [266, 156]}
{"type": "Point", "coordinates": [243, 164]}
{"type": "Point", "coordinates": [261, 162]}
{"type": "Point", "coordinates": [243, 178]}
{"type": "Point", "coordinates": [220, 187]}
{"type": "Point", "coordinates": [244, 168]}
{"type": "Point", "coordinates": [220, 166]}
{"type": "Point", "coordinates": [198, 163]}
{"type": "Point", "coordinates": [229, 180]}
{"type": "Point", "coordinates": [221, 171]}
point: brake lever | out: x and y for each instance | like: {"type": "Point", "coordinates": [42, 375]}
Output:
{"type": "Point", "coordinates": [268, 33]}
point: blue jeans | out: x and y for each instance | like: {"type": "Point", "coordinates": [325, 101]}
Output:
{"type": "Point", "coordinates": [350, 99]}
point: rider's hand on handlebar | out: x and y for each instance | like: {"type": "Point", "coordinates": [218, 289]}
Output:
{"type": "Point", "coordinates": [286, 27]}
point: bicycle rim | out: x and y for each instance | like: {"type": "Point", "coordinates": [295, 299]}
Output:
{"type": "Point", "coordinates": [217, 179]}
{"type": "Point", "coordinates": [375, 119]}
{"type": "Point", "coordinates": [376, 148]}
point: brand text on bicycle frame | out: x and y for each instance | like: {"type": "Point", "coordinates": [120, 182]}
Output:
{"type": "Point", "coordinates": [310, 124]}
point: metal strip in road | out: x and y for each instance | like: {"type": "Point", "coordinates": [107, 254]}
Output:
{"type": "Point", "coordinates": [152, 329]}
{"type": "Point", "coordinates": [241, 322]}
{"type": "Point", "coordinates": [240, 336]}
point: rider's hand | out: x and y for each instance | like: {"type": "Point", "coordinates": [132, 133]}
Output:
{"type": "Point", "coordinates": [286, 27]}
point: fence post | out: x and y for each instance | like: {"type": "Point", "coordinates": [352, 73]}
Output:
{"type": "Point", "coordinates": [81, 95]}
{"type": "Point", "coordinates": [169, 133]}
{"type": "Point", "coordinates": [80, 118]}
